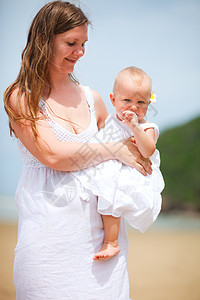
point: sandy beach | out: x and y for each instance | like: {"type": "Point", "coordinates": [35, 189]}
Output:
{"type": "Point", "coordinates": [163, 264]}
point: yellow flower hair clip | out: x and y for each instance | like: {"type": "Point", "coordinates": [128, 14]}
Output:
{"type": "Point", "coordinates": [153, 97]}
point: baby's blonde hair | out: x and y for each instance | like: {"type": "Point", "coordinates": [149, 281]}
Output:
{"type": "Point", "coordinates": [136, 73]}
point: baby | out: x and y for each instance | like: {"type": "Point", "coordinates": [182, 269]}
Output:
{"type": "Point", "coordinates": [123, 191]}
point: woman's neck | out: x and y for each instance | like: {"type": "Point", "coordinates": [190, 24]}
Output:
{"type": "Point", "coordinates": [58, 79]}
{"type": "Point", "coordinates": [58, 83]}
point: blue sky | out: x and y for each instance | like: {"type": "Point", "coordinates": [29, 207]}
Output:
{"type": "Point", "coordinates": [161, 37]}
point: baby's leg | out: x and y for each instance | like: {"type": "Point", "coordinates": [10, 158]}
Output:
{"type": "Point", "coordinates": [110, 245]}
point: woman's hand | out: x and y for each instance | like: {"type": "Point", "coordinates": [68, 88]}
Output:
{"type": "Point", "coordinates": [130, 155]}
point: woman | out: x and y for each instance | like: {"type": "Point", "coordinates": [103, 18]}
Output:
{"type": "Point", "coordinates": [54, 119]}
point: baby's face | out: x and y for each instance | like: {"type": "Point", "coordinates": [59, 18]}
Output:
{"type": "Point", "coordinates": [132, 95]}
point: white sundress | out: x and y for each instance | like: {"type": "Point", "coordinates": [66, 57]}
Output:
{"type": "Point", "coordinates": [123, 191]}
{"type": "Point", "coordinates": [60, 230]}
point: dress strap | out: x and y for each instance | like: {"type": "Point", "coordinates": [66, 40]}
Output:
{"type": "Point", "coordinates": [89, 97]}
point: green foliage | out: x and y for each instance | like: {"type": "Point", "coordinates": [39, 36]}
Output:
{"type": "Point", "coordinates": [180, 164]}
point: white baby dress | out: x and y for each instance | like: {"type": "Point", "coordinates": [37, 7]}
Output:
{"type": "Point", "coordinates": [122, 190]}
{"type": "Point", "coordinates": [60, 230]}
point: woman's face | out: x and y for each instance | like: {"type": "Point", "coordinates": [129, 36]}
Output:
{"type": "Point", "coordinates": [67, 48]}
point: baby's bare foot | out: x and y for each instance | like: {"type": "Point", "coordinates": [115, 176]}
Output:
{"type": "Point", "coordinates": [108, 250]}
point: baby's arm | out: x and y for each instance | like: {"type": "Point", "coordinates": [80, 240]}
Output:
{"type": "Point", "coordinates": [144, 139]}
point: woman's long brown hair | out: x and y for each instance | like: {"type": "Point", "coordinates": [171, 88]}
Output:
{"type": "Point", "coordinates": [53, 18]}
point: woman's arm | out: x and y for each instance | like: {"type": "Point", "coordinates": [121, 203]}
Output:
{"type": "Point", "coordinates": [100, 110]}
{"type": "Point", "coordinates": [73, 156]}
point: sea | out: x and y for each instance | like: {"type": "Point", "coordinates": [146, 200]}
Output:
{"type": "Point", "coordinates": [178, 220]}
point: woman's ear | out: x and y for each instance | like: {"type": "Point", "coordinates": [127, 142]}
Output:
{"type": "Point", "coordinates": [112, 98]}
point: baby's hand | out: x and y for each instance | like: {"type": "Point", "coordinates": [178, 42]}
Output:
{"type": "Point", "coordinates": [130, 118]}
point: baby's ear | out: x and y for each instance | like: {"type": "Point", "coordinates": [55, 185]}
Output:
{"type": "Point", "coordinates": [112, 98]}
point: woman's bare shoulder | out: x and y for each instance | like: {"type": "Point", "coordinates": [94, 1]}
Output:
{"type": "Point", "coordinates": [13, 99]}
{"type": "Point", "coordinates": [18, 105]}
